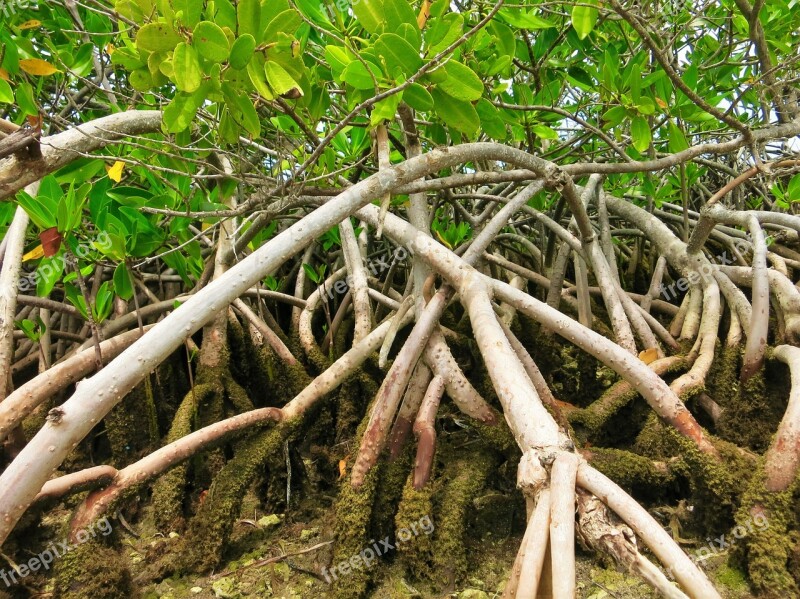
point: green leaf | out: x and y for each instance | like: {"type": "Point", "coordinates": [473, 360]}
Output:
{"type": "Point", "coordinates": [242, 51]}
{"type": "Point", "coordinates": [48, 274]}
{"type": "Point", "coordinates": [157, 37]}
{"type": "Point", "coordinates": [76, 299]}
{"type": "Point", "coordinates": [211, 41]}
{"type": "Point", "coordinates": [39, 209]}
{"type": "Point", "coordinates": [385, 109]}
{"type": "Point", "coordinates": [179, 115]}
{"type": "Point", "coordinates": [313, 11]}
{"type": "Point", "coordinates": [284, 22]}
{"type": "Point", "coordinates": [461, 83]}
{"type": "Point", "coordinates": [103, 302]}
{"type": "Point", "coordinates": [523, 20]}
{"type": "Point", "coordinates": [614, 116]}
{"type": "Point", "coordinates": [141, 80]}
{"type": "Point", "coordinates": [25, 99]}
{"type": "Point", "coordinates": [279, 79]}
{"type": "Point", "coordinates": [457, 114]}
{"type": "Point", "coordinates": [338, 58]}
{"type": "Point", "coordinates": [228, 130]}
{"type": "Point", "coordinates": [255, 70]}
{"type": "Point", "coordinates": [793, 189]}
{"type": "Point", "coordinates": [584, 18]}
{"type": "Point", "coordinates": [418, 97]}
{"type": "Point", "coordinates": [491, 122]}
{"type": "Point", "coordinates": [640, 134]}
{"type": "Point", "coordinates": [248, 14]}
{"type": "Point", "coordinates": [191, 9]}
{"type": "Point", "coordinates": [443, 31]}
{"type": "Point", "coordinates": [646, 106]}
{"type": "Point", "coordinates": [544, 132]}
{"type": "Point", "coordinates": [6, 95]}
{"type": "Point", "coordinates": [242, 110]}
{"type": "Point", "coordinates": [122, 282]}
{"type": "Point", "coordinates": [677, 140]}
{"type": "Point", "coordinates": [357, 75]}
{"type": "Point", "coordinates": [377, 16]}
{"type": "Point", "coordinates": [186, 68]}
{"type": "Point", "coordinates": [311, 273]}
{"type": "Point", "coordinates": [398, 54]}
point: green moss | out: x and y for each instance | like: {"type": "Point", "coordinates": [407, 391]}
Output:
{"type": "Point", "coordinates": [715, 484]}
{"type": "Point", "coordinates": [731, 578]}
{"type": "Point", "coordinates": [723, 378]}
{"type": "Point", "coordinates": [211, 527]}
{"type": "Point", "coordinates": [464, 478]}
{"type": "Point", "coordinates": [415, 505]}
{"type": "Point", "coordinates": [92, 570]}
{"type": "Point", "coordinates": [354, 509]}
{"type": "Point", "coordinates": [132, 425]}
{"type": "Point", "coordinates": [748, 419]}
{"type": "Point", "coordinates": [169, 489]}
{"type": "Point", "coordinates": [634, 473]}
{"type": "Point", "coordinates": [769, 546]}
{"type": "Point", "coordinates": [654, 442]}
{"type": "Point", "coordinates": [393, 478]}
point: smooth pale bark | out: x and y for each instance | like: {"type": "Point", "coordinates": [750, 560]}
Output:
{"type": "Point", "coordinates": [536, 376]}
{"type": "Point", "coordinates": [357, 280]}
{"type": "Point", "coordinates": [652, 387]}
{"type": "Point", "coordinates": [505, 369]}
{"type": "Point", "coordinates": [24, 400]}
{"type": "Point", "coordinates": [782, 459]}
{"type": "Point", "coordinates": [383, 356]}
{"type": "Point", "coordinates": [583, 296]}
{"type": "Point", "coordinates": [62, 148]}
{"type": "Point", "coordinates": [312, 302]}
{"type": "Point", "coordinates": [394, 385]}
{"type": "Point", "coordinates": [562, 524]}
{"type": "Point", "coordinates": [532, 561]}
{"type": "Point", "coordinates": [70, 483]}
{"type": "Point", "coordinates": [441, 361]}
{"type": "Point", "coordinates": [9, 288]}
{"type": "Point", "coordinates": [781, 288]}
{"type": "Point", "coordinates": [759, 323]}
{"type": "Point", "coordinates": [94, 398]}
{"type": "Point", "coordinates": [300, 285]}
{"type": "Point", "coordinates": [437, 355]}
{"type": "Point", "coordinates": [655, 284]}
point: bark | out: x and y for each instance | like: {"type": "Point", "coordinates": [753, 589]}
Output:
{"type": "Point", "coordinates": [62, 148]}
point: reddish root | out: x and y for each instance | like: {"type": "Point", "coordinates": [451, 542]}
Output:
{"type": "Point", "coordinates": [425, 432]}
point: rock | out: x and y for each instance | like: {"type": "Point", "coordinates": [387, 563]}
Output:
{"type": "Point", "coordinates": [225, 588]}
{"type": "Point", "coordinates": [270, 521]}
